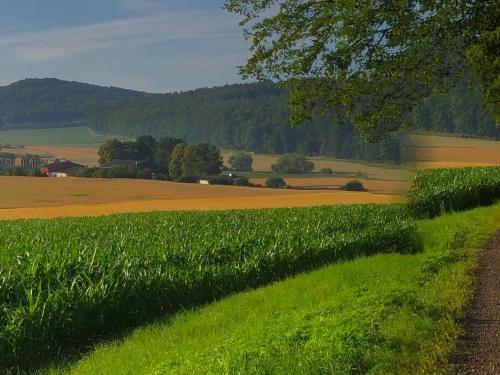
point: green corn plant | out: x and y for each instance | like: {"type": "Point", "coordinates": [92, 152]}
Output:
{"type": "Point", "coordinates": [65, 283]}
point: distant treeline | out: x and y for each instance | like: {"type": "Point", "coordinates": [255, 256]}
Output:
{"type": "Point", "coordinates": [49, 103]}
{"type": "Point", "coordinates": [168, 158]}
{"type": "Point", "coordinates": [457, 112]}
{"type": "Point", "coordinates": [252, 117]}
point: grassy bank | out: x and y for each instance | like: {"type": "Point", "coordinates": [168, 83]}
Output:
{"type": "Point", "coordinates": [385, 314]}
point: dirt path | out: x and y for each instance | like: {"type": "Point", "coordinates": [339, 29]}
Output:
{"type": "Point", "coordinates": [480, 346]}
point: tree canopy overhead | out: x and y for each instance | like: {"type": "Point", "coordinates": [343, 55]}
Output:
{"type": "Point", "coordinates": [371, 60]}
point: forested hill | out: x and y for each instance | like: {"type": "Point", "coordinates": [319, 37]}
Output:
{"type": "Point", "coordinates": [244, 116]}
{"type": "Point", "coordinates": [50, 102]}
{"type": "Point", "coordinates": [255, 117]}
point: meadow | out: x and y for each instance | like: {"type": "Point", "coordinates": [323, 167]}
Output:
{"type": "Point", "coordinates": [67, 282]}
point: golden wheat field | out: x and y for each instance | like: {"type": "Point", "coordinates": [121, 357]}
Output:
{"type": "Point", "coordinates": [82, 155]}
{"type": "Point", "coordinates": [25, 197]}
{"type": "Point", "coordinates": [372, 185]}
{"type": "Point", "coordinates": [432, 151]}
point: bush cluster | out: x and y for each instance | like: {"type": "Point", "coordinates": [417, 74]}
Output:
{"type": "Point", "coordinates": [18, 171]}
{"type": "Point", "coordinates": [275, 182]}
{"type": "Point", "coordinates": [326, 171]}
{"type": "Point", "coordinates": [353, 185]}
{"type": "Point", "coordinates": [293, 163]}
{"type": "Point", "coordinates": [114, 172]}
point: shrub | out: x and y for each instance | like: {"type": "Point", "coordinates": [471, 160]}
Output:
{"type": "Point", "coordinates": [36, 173]}
{"type": "Point", "coordinates": [102, 173]}
{"type": "Point", "coordinates": [121, 171]}
{"type": "Point", "coordinates": [353, 185]}
{"type": "Point", "coordinates": [275, 182]}
{"type": "Point", "coordinates": [292, 163]}
{"type": "Point", "coordinates": [161, 177]}
{"type": "Point", "coordinates": [241, 161]}
{"type": "Point", "coordinates": [220, 180]}
{"type": "Point", "coordinates": [144, 174]}
{"type": "Point", "coordinates": [241, 181]}
{"type": "Point", "coordinates": [188, 179]}
{"type": "Point", "coordinates": [435, 191]}
{"type": "Point", "coordinates": [200, 160]}
{"type": "Point", "coordinates": [326, 171]}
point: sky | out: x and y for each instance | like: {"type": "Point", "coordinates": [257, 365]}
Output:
{"type": "Point", "coordinates": [148, 45]}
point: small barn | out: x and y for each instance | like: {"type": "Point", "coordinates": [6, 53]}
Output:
{"type": "Point", "coordinates": [61, 168]}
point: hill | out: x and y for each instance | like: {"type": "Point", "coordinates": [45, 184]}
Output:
{"type": "Point", "coordinates": [252, 117]}
{"type": "Point", "coordinates": [49, 102]}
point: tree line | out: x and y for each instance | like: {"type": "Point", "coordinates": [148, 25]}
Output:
{"type": "Point", "coordinates": [254, 117]}
{"type": "Point", "coordinates": [249, 117]}
{"type": "Point", "coordinates": [166, 158]}
{"type": "Point", "coordinates": [50, 102]}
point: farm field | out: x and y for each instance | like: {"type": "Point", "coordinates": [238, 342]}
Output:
{"type": "Point", "coordinates": [85, 278]}
{"type": "Point", "coordinates": [386, 314]}
{"type": "Point", "coordinates": [263, 162]}
{"type": "Point", "coordinates": [28, 197]}
{"type": "Point", "coordinates": [433, 151]}
{"type": "Point", "coordinates": [20, 198]}
{"type": "Point", "coordinates": [81, 155]}
{"type": "Point", "coordinates": [80, 137]}
{"type": "Point", "coordinates": [88, 280]}
{"type": "Point", "coordinates": [396, 187]}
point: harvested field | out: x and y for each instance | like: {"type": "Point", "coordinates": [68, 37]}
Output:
{"type": "Point", "coordinates": [263, 162]}
{"type": "Point", "coordinates": [374, 186]}
{"type": "Point", "coordinates": [82, 155]}
{"type": "Point", "coordinates": [25, 197]}
{"type": "Point", "coordinates": [438, 152]}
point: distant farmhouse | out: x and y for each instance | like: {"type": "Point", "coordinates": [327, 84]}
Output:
{"type": "Point", "coordinates": [61, 168]}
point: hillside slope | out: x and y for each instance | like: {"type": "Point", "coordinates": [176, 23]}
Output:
{"type": "Point", "coordinates": [252, 117]}
{"type": "Point", "coordinates": [49, 102]}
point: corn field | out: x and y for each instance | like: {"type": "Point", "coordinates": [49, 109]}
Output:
{"type": "Point", "coordinates": [67, 283]}
{"type": "Point", "coordinates": [436, 191]}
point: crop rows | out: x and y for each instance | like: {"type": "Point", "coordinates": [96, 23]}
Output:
{"type": "Point", "coordinates": [65, 283]}
{"type": "Point", "coordinates": [443, 190]}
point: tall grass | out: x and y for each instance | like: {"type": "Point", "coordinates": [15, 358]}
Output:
{"type": "Point", "coordinates": [455, 189]}
{"type": "Point", "coordinates": [67, 282]}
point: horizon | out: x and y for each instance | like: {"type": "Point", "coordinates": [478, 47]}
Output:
{"type": "Point", "coordinates": [154, 46]}
{"type": "Point", "coordinates": [247, 82]}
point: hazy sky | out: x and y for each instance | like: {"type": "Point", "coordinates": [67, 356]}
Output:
{"type": "Point", "coordinates": [151, 45]}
